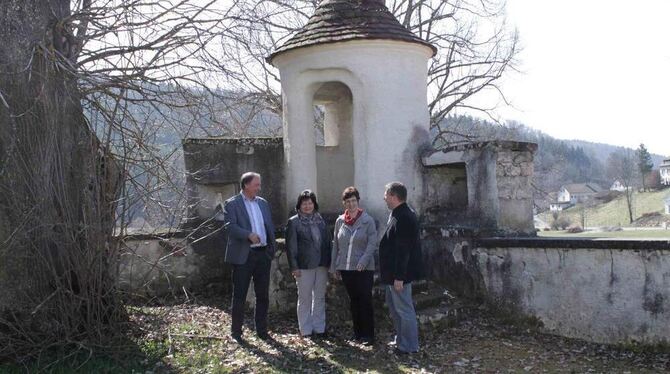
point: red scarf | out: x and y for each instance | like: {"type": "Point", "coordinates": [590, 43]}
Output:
{"type": "Point", "coordinates": [350, 221]}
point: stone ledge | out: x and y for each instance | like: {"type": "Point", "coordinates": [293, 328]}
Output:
{"type": "Point", "coordinates": [158, 234]}
{"type": "Point", "coordinates": [243, 141]}
{"type": "Point", "coordinates": [502, 144]}
{"type": "Point", "coordinates": [455, 154]}
{"type": "Point", "coordinates": [576, 243]}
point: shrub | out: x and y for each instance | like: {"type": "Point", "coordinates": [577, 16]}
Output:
{"type": "Point", "coordinates": [574, 229]}
{"type": "Point", "coordinates": [607, 196]}
{"type": "Point", "coordinates": [560, 223]}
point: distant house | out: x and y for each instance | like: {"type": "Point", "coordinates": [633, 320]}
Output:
{"type": "Point", "coordinates": [664, 171]}
{"type": "Point", "coordinates": [572, 194]}
{"type": "Point", "coordinates": [578, 192]}
{"type": "Point", "coordinates": [618, 186]}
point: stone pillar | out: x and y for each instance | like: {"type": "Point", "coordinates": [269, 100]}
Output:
{"type": "Point", "coordinates": [299, 142]}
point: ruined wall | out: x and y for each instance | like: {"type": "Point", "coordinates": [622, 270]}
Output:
{"type": "Point", "coordinates": [445, 256]}
{"type": "Point", "coordinates": [484, 187]}
{"type": "Point", "coordinates": [214, 167]}
{"type": "Point", "coordinates": [603, 291]}
{"type": "Point", "coordinates": [514, 173]}
{"type": "Point", "coordinates": [152, 266]}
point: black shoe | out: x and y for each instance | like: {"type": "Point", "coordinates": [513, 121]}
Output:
{"type": "Point", "coordinates": [264, 336]}
{"type": "Point", "coordinates": [320, 335]}
{"type": "Point", "coordinates": [402, 353]}
{"type": "Point", "coordinates": [238, 338]}
{"type": "Point", "coordinates": [367, 341]}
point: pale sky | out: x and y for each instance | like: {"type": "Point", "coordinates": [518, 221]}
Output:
{"type": "Point", "coordinates": [595, 70]}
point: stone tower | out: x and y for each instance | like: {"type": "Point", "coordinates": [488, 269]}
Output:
{"type": "Point", "coordinates": [368, 73]}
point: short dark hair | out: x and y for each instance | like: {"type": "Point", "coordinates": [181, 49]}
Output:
{"type": "Point", "coordinates": [350, 192]}
{"type": "Point", "coordinates": [306, 195]}
{"type": "Point", "coordinates": [398, 190]}
{"type": "Point", "coordinates": [247, 177]}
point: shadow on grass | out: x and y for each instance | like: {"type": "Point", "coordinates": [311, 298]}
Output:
{"type": "Point", "coordinates": [196, 346]}
{"type": "Point", "coordinates": [126, 357]}
{"type": "Point", "coordinates": [336, 353]}
{"type": "Point", "coordinates": [125, 352]}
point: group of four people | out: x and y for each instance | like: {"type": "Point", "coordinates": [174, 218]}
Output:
{"type": "Point", "coordinates": [313, 253]}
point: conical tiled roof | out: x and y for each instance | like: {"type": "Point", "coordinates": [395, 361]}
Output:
{"type": "Point", "coordinates": [341, 20]}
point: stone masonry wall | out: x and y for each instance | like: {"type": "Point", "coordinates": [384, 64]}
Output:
{"type": "Point", "coordinates": [484, 187]}
{"type": "Point", "coordinates": [514, 172]}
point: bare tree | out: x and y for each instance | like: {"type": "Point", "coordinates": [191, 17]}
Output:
{"type": "Point", "coordinates": [87, 91]}
{"type": "Point", "coordinates": [621, 166]}
{"type": "Point", "coordinates": [85, 87]}
{"type": "Point", "coordinates": [475, 50]}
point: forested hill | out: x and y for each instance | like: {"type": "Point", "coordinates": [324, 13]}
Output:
{"type": "Point", "coordinates": [602, 151]}
{"type": "Point", "coordinates": [557, 161]}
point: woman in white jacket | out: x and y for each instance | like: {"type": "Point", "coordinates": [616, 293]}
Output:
{"type": "Point", "coordinates": [354, 245]}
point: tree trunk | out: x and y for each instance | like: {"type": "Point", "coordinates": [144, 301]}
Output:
{"type": "Point", "coordinates": [629, 204]}
{"type": "Point", "coordinates": [55, 213]}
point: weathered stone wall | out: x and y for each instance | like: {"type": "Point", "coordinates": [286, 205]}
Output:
{"type": "Point", "coordinates": [214, 167]}
{"type": "Point", "coordinates": [444, 252]}
{"type": "Point", "coordinates": [514, 172]}
{"type": "Point", "coordinates": [484, 187]}
{"type": "Point", "coordinates": [153, 266]}
{"type": "Point", "coordinates": [602, 291]}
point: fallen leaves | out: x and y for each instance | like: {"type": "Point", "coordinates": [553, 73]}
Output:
{"type": "Point", "coordinates": [197, 340]}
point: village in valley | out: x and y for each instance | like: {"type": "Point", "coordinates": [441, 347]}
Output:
{"type": "Point", "coordinates": [454, 212]}
{"type": "Point", "coordinates": [626, 209]}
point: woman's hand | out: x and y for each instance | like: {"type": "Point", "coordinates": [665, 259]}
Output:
{"type": "Point", "coordinates": [296, 273]}
{"type": "Point", "coordinates": [360, 267]}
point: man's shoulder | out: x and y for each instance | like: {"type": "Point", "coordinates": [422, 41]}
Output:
{"type": "Point", "coordinates": [405, 214]}
{"type": "Point", "coordinates": [233, 199]}
{"type": "Point", "coordinates": [260, 199]}
{"type": "Point", "coordinates": [262, 202]}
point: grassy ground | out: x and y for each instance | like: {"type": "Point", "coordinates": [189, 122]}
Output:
{"type": "Point", "coordinates": [624, 234]}
{"type": "Point", "coordinates": [615, 212]}
{"type": "Point", "coordinates": [193, 338]}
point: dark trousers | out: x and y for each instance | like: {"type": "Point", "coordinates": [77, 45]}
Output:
{"type": "Point", "coordinates": [359, 287]}
{"type": "Point", "coordinates": [258, 268]}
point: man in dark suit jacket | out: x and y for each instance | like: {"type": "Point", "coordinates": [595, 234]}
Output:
{"type": "Point", "coordinates": [250, 248]}
{"type": "Point", "coordinates": [400, 263]}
